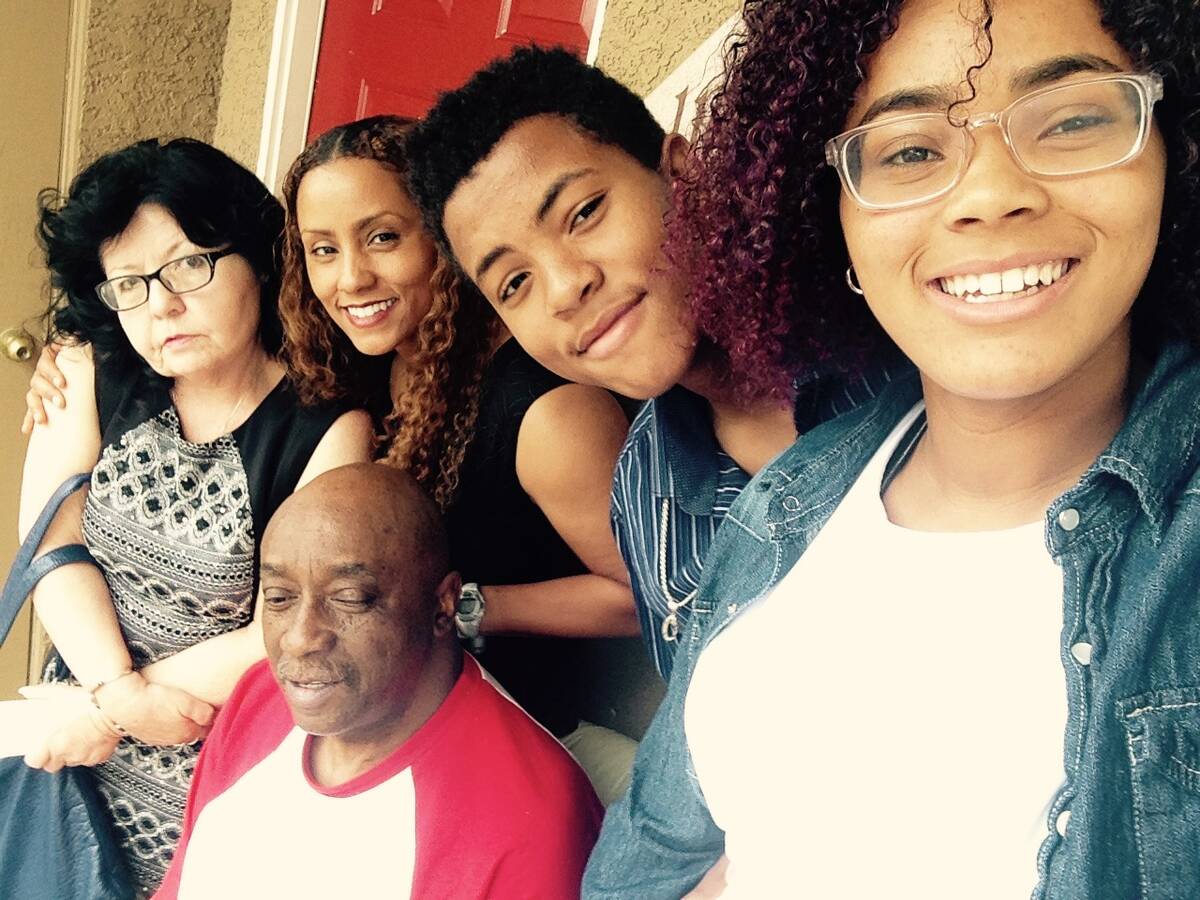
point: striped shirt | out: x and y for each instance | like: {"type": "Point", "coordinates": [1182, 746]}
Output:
{"type": "Point", "coordinates": [673, 486]}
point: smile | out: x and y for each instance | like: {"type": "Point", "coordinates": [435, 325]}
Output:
{"type": "Point", "coordinates": [369, 312]}
{"type": "Point", "coordinates": [609, 331]}
{"type": "Point", "coordinates": [1008, 284]}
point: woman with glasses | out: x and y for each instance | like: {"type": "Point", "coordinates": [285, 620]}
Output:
{"type": "Point", "coordinates": [987, 575]}
{"type": "Point", "coordinates": [163, 265]}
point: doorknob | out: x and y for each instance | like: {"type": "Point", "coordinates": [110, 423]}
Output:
{"type": "Point", "coordinates": [17, 344]}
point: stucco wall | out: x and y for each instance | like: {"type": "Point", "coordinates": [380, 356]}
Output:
{"type": "Point", "coordinates": [643, 40]}
{"type": "Point", "coordinates": [244, 79]}
{"type": "Point", "coordinates": [153, 68]}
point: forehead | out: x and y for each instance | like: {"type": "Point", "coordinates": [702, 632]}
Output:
{"type": "Point", "coordinates": [505, 189]}
{"type": "Point", "coordinates": [938, 41]}
{"type": "Point", "coordinates": [151, 233]}
{"type": "Point", "coordinates": [351, 187]}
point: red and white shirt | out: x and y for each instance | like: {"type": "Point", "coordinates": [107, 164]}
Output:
{"type": "Point", "coordinates": [480, 803]}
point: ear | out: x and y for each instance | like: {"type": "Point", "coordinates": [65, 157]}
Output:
{"type": "Point", "coordinates": [447, 604]}
{"type": "Point", "coordinates": [673, 157]}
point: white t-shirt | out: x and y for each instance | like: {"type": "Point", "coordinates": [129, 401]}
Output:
{"type": "Point", "coordinates": [889, 721]}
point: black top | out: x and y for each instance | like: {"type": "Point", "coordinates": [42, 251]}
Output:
{"type": "Point", "coordinates": [499, 536]}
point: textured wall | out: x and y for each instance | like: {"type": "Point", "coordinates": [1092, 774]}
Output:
{"type": "Point", "coordinates": [643, 40]}
{"type": "Point", "coordinates": [244, 79]}
{"type": "Point", "coordinates": [153, 68]}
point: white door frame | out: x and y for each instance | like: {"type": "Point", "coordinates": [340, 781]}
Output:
{"type": "Point", "coordinates": [292, 72]}
{"type": "Point", "coordinates": [290, 77]}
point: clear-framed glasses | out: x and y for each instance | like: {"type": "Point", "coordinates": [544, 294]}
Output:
{"type": "Point", "coordinates": [188, 273]}
{"type": "Point", "coordinates": [1070, 129]}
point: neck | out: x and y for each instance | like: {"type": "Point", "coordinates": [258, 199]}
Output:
{"type": "Point", "coordinates": [984, 465]}
{"type": "Point", "coordinates": [753, 433]}
{"type": "Point", "coordinates": [213, 402]}
{"type": "Point", "coordinates": [339, 758]}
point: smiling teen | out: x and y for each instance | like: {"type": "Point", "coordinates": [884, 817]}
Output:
{"type": "Point", "coordinates": [548, 182]}
{"type": "Point", "coordinates": [988, 574]}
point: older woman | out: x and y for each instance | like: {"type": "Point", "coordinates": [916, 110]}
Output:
{"type": "Point", "coordinates": [163, 262]}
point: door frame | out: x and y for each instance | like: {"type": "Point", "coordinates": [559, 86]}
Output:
{"type": "Point", "coordinates": [291, 74]}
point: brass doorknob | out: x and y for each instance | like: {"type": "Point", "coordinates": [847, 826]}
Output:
{"type": "Point", "coordinates": [17, 344]}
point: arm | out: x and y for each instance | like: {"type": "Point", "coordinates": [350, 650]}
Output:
{"type": "Point", "coordinates": [211, 668]}
{"type": "Point", "coordinates": [566, 449]}
{"type": "Point", "coordinates": [73, 602]}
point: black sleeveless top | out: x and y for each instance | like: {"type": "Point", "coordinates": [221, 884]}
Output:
{"type": "Point", "coordinates": [499, 536]}
{"type": "Point", "coordinates": [174, 526]}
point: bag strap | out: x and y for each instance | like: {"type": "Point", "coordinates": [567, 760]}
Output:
{"type": "Point", "coordinates": [26, 571]}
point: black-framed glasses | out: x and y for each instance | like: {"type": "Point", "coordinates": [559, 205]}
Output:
{"type": "Point", "coordinates": [188, 273]}
{"type": "Point", "coordinates": [1071, 129]}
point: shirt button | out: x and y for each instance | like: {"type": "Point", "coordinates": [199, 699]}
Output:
{"type": "Point", "coordinates": [1060, 824]}
{"type": "Point", "coordinates": [1068, 519]}
{"type": "Point", "coordinates": [1082, 651]}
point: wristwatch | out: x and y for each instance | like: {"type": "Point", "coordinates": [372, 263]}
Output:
{"type": "Point", "coordinates": [468, 614]}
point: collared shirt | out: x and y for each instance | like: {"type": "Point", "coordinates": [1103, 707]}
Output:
{"type": "Point", "coordinates": [674, 484]}
{"type": "Point", "coordinates": [1126, 822]}
{"type": "Point", "coordinates": [672, 487]}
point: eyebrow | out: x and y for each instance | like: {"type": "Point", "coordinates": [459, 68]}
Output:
{"type": "Point", "coordinates": [169, 256]}
{"type": "Point", "coordinates": [944, 96]}
{"type": "Point", "coordinates": [361, 223]}
{"type": "Point", "coordinates": [548, 200]}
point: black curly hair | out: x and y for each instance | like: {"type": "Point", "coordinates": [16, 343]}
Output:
{"type": "Point", "coordinates": [216, 202]}
{"type": "Point", "coordinates": [758, 215]}
{"type": "Point", "coordinates": [465, 124]}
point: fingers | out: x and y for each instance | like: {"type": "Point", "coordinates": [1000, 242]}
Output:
{"type": "Point", "coordinates": [197, 710]}
{"type": "Point", "coordinates": [47, 388]}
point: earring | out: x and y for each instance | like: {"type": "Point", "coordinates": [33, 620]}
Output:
{"type": "Point", "coordinates": [851, 282]}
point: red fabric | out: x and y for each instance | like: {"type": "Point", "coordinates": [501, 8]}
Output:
{"type": "Point", "coordinates": [502, 810]}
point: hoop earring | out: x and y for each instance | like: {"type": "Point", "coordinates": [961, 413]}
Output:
{"type": "Point", "coordinates": [851, 283]}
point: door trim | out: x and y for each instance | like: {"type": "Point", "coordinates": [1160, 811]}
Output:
{"type": "Point", "coordinates": [290, 77]}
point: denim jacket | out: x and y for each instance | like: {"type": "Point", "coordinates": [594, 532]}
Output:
{"type": "Point", "coordinates": [1126, 823]}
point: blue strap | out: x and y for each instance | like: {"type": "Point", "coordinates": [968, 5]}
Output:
{"type": "Point", "coordinates": [26, 571]}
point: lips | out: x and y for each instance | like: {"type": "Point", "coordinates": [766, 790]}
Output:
{"type": "Point", "coordinates": [607, 320]}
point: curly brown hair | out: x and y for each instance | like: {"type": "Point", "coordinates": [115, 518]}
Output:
{"type": "Point", "coordinates": [433, 417]}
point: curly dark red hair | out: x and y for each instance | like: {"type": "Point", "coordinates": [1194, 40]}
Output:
{"type": "Point", "coordinates": [757, 218]}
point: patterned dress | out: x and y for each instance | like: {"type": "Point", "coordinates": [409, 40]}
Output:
{"type": "Point", "coordinates": [173, 526]}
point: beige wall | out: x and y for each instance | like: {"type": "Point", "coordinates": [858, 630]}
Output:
{"type": "Point", "coordinates": [244, 79]}
{"type": "Point", "coordinates": [152, 68]}
{"type": "Point", "coordinates": [643, 40]}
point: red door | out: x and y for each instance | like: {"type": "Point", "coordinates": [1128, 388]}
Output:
{"type": "Point", "coordinates": [394, 56]}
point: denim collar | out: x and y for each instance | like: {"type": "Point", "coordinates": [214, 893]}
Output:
{"type": "Point", "coordinates": [1155, 451]}
{"type": "Point", "coordinates": [686, 462]}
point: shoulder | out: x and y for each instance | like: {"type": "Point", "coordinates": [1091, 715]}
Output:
{"type": "Point", "coordinates": [248, 727]}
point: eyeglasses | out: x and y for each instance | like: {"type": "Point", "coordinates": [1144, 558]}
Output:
{"type": "Point", "coordinates": [1084, 126]}
{"type": "Point", "coordinates": [188, 273]}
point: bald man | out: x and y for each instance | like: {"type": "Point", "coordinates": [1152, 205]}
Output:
{"type": "Point", "coordinates": [367, 756]}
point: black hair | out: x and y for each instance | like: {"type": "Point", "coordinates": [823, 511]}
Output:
{"type": "Point", "coordinates": [465, 124]}
{"type": "Point", "coordinates": [216, 202]}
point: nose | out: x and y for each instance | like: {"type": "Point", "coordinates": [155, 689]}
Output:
{"type": "Point", "coordinates": [354, 273]}
{"type": "Point", "coordinates": [993, 188]}
{"type": "Point", "coordinates": [307, 629]}
{"type": "Point", "coordinates": [569, 280]}
{"type": "Point", "coordinates": [162, 301]}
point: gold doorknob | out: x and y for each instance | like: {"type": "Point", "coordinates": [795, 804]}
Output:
{"type": "Point", "coordinates": [17, 344]}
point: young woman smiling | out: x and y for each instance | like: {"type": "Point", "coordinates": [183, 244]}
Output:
{"type": "Point", "coordinates": [988, 573]}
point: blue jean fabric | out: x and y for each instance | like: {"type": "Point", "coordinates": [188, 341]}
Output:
{"type": "Point", "coordinates": [1127, 537]}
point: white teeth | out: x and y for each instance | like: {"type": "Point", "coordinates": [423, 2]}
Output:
{"type": "Point", "coordinates": [1013, 280]}
{"type": "Point", "coordinates": [365, 312]}
{"type": "Point", "coordinates": [992, 286]}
